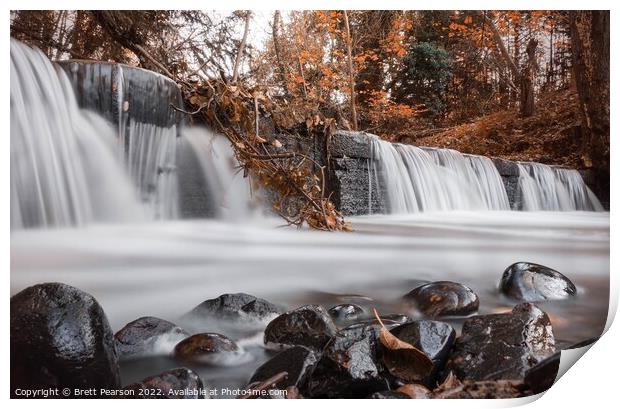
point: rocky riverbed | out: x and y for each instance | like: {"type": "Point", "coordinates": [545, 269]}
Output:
{"type": "Point", "coordinates": [440, 347]}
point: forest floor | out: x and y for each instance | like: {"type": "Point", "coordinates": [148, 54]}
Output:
{"type": "Point", "coordinates": [552, 135]}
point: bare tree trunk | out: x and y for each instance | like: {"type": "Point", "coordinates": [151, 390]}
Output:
{"type": "Point", "coordinates": [246, 29]}
{"type": "Point", "coordinates": [527, 105]}
{"type": "Point", "coordinates": [278, 50]}
{"type": "Point", "coordinates": [351, 73]}
{"type": "Point", "coordinates": [590, 48]}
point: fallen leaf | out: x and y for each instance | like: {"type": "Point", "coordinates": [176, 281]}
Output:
{"type": "Point", "coordinates": [403, 360]}
{"type": "Point", "coordinates": [414, 391]}
{"type": "Point", "coordinates": [450, 382]}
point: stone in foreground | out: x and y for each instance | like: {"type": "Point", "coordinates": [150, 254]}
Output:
{"type": "Point", "coordinates": [542, 376]}
{"type": "Point", "coordinates": [309, 326]}
{"type": "Point", "coordinates": [60, 338]}
{"type": "Point", "coordinates": [502, 346]}
{"type": "Point", "coordinates": [351, 366]}
{"type": "Point", "coordinates": [148, 336]}
{"type": "Point", "coordinates": [203, 347]}
{"type": "Point", "coordinates": [179, 383]}
{"type": "Point", "coordinates": [297, 361]}
{"type": "Point", "coordinates": [434, 338]}
{"type": "Point", "coordinates": [533, 282]}
{"type": "Point", "coordinates": [443, 298]}
{"type": "Point", "coordinates": [346, 314]}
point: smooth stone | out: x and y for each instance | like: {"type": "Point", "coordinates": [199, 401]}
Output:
{"type": "Point", "coordinates": [388, 395]}
{"type": "Point", "coordinates": [297, 361]}
{"type": "Point", "coordinates": [148, 336]}
{"type": "Point", "coordinates": [346, 313]}
{"type": "Point", "coordinates": [350, 366]}
{"type": "Point", "coordinates": [201, 346]}
{"type": "Point", "coordinates": [434, 338]}
{"type": "Point", "coordinates": [309, 326]}
{"type": "Point", "coordinates": [533, 282]}
{"type": "Point", "coordinates": [235, 306]}
{"type": "Point", "coordinates": [179, 383]}
{"type": "Point", "coordinates": [541, 377]}
{"type": "Point", "coordinates": [502, 346]}
{"type": "Point", "coordinates": [60, 338]}
{"type": "Point", "coordinates": [443, 298]}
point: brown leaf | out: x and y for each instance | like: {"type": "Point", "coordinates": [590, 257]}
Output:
{"type": "Point", "coordinates": [276, 143]}
{"type": "Point", "coordinates": [403, 360]}
{"type": "Point", "coordinates": [450, 382]}
{"type": "Point", "coordinates": [415, 391]}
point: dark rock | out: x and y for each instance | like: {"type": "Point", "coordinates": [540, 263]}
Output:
{"type": "Point", "coordinates": [310, 326]}
{"type": "Point", "coordinates": [434, 338]}
{"type": "Point", "coordinates": [61, 338]}
{"type": "Point", "coordinates": [147, 335]}
{"type": "Point", "coordinates": [388, 395]}
{"type": "Point", "coordinates": [541, 377]}
{"type": "Point", "coordinates": [235, 306]}
{"type": "Point", "coordinates": [502, 346]}
{"type": "Point", "coordinates": [390, 320]}
{"type": "Point", "coordinates": [350, 366]}
{"type": "Point", "coordinates": [297, 361]}
{"type": "Point", "coordinates": [179, 383]}
{"type": "Point", "coordinates": [346, 313]}
{"type": "Point", "coordinates": [481, 390]}
{"type": "Point", "coordinates": [443, 298]}
{"type": "Point", "coordinates": [200, 347]}
{"type": "Point", "coordinates": [533, 282]}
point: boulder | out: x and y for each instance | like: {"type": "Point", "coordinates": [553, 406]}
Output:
{"type": "Point", "coordinates": [350, 366]}
{"type": "Point", "coordinates": [541, 377]}
{"type": "Point", "coordinates": [235, 306]}
{"type": "Point", "coordinates": [533, 282]}
{"type": "Point", "coordinates": [502, 346]}
{"type": "Point", "coordinates": [346, 314]}
{"type": "Point", "coordinates": [148, 336]}
{"type": "Point", "coordinates": [297, 362]}
{"type": "Point", "coordinates": [204, 347]}
{"type": "Point", "coordinates": [61, 338]}
{"type": "Point", "coordinates": [309, 326]}
{"type": "Point", "coordinates": [443, 298]}
{"type": "Point", "coordinates": [434, 338]}
{"type": "Point", "coordinates": [179, 383]}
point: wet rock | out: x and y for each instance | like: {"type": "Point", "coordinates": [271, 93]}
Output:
{"type": "Point", "coordinates": [203, 347]}
{"type": "Point", "coordinates": [390, 320]}
{"type": "Point", "coordinates": [533, 282]}
{"type": "Point", "coordinates": [147, 336]}
{"type": "Point", "coordinates": [235, 306]}
{"type": "Point", "coordinates": [481, 390]}
{"type": "Point", "coordinates": [388, 395]}
{"type": "Point", "coordinates": [60, 337]}
{"type": "Point", "coordinates": [309, 326]}
{"type": "Point", "coordinates": [179, 383]}
{"type": "Point", "coordinates": [541, 377]}
{"type": "Point", "coordinates": [346, 313]}
{"type": "Point", "coordinates": [434, 338]}
{"type": "Point", "coordinates": [297, 361]}
{"type": "Point", "coordinates": [502, 346]}
{"type": "Point", "coordinates": [443, 298]}
{"type": "Point", "coordinates": [350, 366]}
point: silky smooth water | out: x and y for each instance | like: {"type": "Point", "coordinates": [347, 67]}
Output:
{"type": "Point", "coordinates": [64, 165]}
{"type": "Point", "coordinates": [165, 269]}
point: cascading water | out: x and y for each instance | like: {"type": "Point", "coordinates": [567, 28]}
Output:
{"type": "Point", "coordinates": [545, 188]}
{"type": "Point", "coordinates": [416, 180]}
{"type": "Point", "coordinates": [227, 190]}
{"type": "Point", "coordinates": [63, 167]}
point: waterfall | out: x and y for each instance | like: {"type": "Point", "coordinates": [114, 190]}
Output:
{"type": "Point", "coordinates": [545, 188]}
{"type": "Point", "coordinates": [227, 190]}
{"type": "Point", "coordinates": [64, 169]}
{"type": "Point", "coordinates": [417, 180]}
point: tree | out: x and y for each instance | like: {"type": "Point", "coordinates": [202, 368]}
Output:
{"type": "Point", "coordinates": [424, 78]}
{"type": "Point", "coordinates": [590, 47]}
